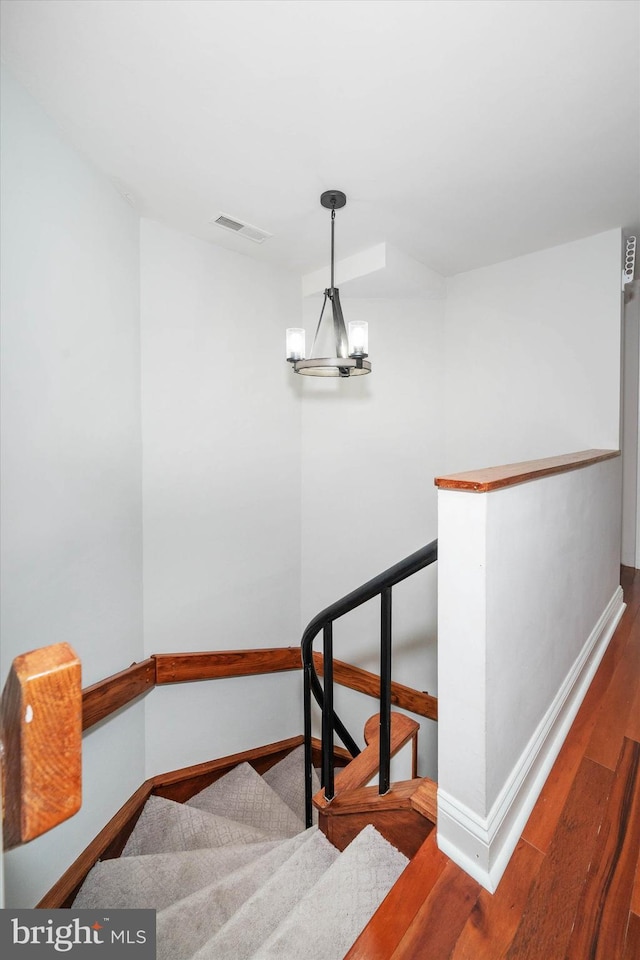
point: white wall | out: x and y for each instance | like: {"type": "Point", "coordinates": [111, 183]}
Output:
{"type": "Point", "coordinates": [370, 449]}
{"type": "Point", "coordinates": [526, 365]}
{"type": "Point", "coordinates": [630, 421]}
{"type": "Point", "coordinates": [533, 355]}
{"type": "Point", "coordinates": [532, 370]}
{"type": "Point", "coordinates": [637, 563]}
{"type": "Point", "coordinates": [522, 362]}
{"type": "Point", "coordinates": [71, 483]}
{"type": "Point", "coordinates": [221, 467]}
{"type": "Point", "coordinates": [529, 596]}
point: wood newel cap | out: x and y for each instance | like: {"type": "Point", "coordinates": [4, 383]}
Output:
{"type": "Point", "coordinates": [41, 722]}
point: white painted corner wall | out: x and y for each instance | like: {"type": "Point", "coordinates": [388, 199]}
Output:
{"type": "Point", "coordinates": [71, 534]}
{"type": "Point", "coordinates": [221, 490]}
{"type": "Point", "coordinates": [370, 449]}
{"type": "Point", "coordinates": [220, 467]}
{"type": "Point", "coordinates": [532, 355]}
{"type": "Point", "coordinates": [528, 598]}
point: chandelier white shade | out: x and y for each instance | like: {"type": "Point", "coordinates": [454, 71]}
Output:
{"type": "Point", "coordinates": [295, 343]}
{"type": "Point", "coordinates": [358, 338]}
{"type": "Point", "coordinates": [351, 350]}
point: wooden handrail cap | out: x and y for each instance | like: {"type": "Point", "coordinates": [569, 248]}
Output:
{"type": "Point", "coordinates": [400, 724]}
{"type": "Point", "coordinates": [508, 475]}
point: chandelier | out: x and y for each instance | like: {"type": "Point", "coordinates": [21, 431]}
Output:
{"type": "Point", "coordinates": [351, 350]}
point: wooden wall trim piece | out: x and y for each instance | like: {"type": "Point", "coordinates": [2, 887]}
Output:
{"type": "Point", "coordinates": [368, 800]}
{"type": "Point", "coordinates": [180, 785]}
{"type": "Point", "coordinates": [393, 814]}
{"type": "Point", "coordinates": [425, 799]}
{"type": "Point", "coordinates": [106, 696]}
{"type": "Point", "coordinates": [507, 475]}
{"type": "Point", "coordinates": [216, 664]}
{"type": "Point", "coordinates": [41, 742]}
{"type": "Point", "coordinates": [356, 678]}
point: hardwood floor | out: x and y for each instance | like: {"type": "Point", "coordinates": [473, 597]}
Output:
{"type": "Point", "coordinates": [572, 888]}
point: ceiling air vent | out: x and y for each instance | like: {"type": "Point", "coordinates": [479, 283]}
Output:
{"type": "Point", "coordinates": [242, 229]}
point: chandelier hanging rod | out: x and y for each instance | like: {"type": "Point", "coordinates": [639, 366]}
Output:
{"type": "Point", "coordinates": [351, 350]}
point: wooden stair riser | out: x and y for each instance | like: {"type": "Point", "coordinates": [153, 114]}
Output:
{"type": "Point", "coordinates": [403, 827]}
{"type": "Point", "coordinates": [405, 815]}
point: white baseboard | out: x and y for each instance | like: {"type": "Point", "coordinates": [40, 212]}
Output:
{"type": "Point", "coordinates": [483, 846]}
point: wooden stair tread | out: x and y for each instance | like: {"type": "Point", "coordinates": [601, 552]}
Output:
{"type": "Point", "coordinates": [418, 794]}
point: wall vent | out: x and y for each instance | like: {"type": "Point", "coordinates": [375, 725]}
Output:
{"type": "Point", "coordinates": [242, 229]}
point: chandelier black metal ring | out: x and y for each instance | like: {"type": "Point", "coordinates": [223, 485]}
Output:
{"type": "Point", "coordinates": [350, 349]}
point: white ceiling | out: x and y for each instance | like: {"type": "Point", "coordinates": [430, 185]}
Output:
{"type": "Point", "coordinates": [464, 132]}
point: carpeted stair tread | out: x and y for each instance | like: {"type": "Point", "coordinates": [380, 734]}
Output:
{"type": "Point", "coordinates": [234, 875]}
{"type": "Point", "coordinates": [261, 914]}
{"type": "Point", "coordinates": [337, 908]}
{"type": "Point", "coordinates": [243, 795]}
{"type": "Point", "coordinates": [165, 826]}
{"type": "Point", "coordinates": [187, 925]}
{"type": "Point", "coordinates": [287, 779]}
{"type": "Point", "coordinates": [157, 880]}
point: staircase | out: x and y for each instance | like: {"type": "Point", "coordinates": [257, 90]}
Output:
{"type": "Point", "coordinates": [234, 874]}
{"type": "Point", "coordinates": [236, 865]}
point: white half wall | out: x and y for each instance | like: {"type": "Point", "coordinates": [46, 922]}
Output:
{"type": "Point", "coordinates": [71, 536]}
{"type": "Point", "coordinates": [533, 356]}
{"type": "Point", "coordinates": [529, 597]}
{"type": "Point", "coordinates": [221, 481]}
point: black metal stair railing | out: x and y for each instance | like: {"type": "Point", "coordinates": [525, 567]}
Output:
{"type": "Point", "coordinates": [381, 586]}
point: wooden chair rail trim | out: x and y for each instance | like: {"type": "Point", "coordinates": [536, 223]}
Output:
{"type": "Point", "coordinates": [213, 665]}
{"type": "Point", "coordinates": [363, 681]}
{"type": "Point", "coordinates": [507, 475]}
{"type": "Point", "coordinates": [53, 673]}
{"type": "Point", "coordinates": [40, 717]}
{"type": "Point", "coordinates": [363, 767]}
{"type": "Point", "coordinates": [106, 696]}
